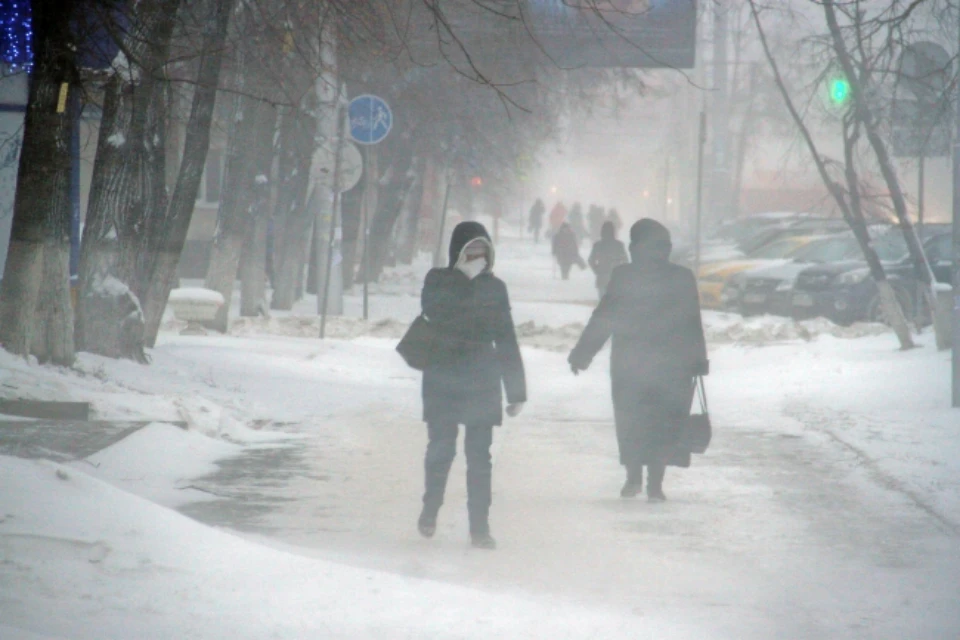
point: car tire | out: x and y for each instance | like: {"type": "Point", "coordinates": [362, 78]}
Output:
{"type": "Point", "coordinates": [875, 313]}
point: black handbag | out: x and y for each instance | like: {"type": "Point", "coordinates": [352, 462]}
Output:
{"type": "Point", "coordinates": [418, 344]}
{"type": "Point", "coordinates": [695, 430]}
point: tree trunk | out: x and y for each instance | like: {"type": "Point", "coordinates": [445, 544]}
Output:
{"type": "Point", "coordinates": [34, 290]}
{"type": "Point", "coordinates": [293, 218]}
{"type": "Point", "coordinates": [351, 203]}
{"type": "Point", "coordinates": [177, 220]}
{"type": "Point", "coordinates": [892, 310]}
{"type": "Point", "coordinates": [253, 268]}
{"type": "Point", "coordinates": [852, 211]}
{"type": "Point", "coordinates": [237, 203]}
{"type": "Point", "coordinates": [409, 224]}
{"type": "Point", "coordinates": [859, 84]}
{"type": "Point", "coordinates": [253, 259]}
{"type": "Point", "coordinates": [390, 204]}
{"type": "Point", "coordinates": [128, 189]}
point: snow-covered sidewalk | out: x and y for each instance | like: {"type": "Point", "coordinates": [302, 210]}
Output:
{"type": "Point", "coordinates": [828, 506]}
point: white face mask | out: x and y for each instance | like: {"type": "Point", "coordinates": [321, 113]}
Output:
{"type": "Point", "coordinates": [472, 268]}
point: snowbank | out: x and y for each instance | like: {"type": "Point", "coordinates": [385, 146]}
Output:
{"type": "Point", "coordinates": [92, 561]}
{"type": "Point", "coordinates": [720, 328]}
{"type": "Point", "coordinates": [196, 294]}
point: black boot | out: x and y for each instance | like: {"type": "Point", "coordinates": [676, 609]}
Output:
{"type": "Point", "coordinates": [483, 541]}
{"type": "Point", "coordinates": [427, 524]}
{"type": "Point", "coordinates": [634, 484]}
{"type": "Point", "coordinates": [655, 483]}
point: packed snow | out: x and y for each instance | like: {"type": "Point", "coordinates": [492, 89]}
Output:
{"type": "Point", "coordinates": [284, 505]}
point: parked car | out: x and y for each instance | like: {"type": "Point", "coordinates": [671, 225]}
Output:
{"type": "Point", "coordinates": [713, 277]}
{"type": "Point", "coordinates": [845, 293]}
{"type": "Point", "coordinates": [736, 238]}
{"type": "Point", "coordinates": [770, 290]}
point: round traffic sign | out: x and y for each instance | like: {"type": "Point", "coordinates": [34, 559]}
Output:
{"type": "Point", "coordinates": [351, 167]}
{"type": "Point", "coordinates": [370, 119]}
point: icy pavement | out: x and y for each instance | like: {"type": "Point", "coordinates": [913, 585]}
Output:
{"type": "Point", "coordinates": [777, 532]}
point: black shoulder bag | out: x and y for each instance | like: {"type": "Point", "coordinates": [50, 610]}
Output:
{"type": "Point", "coordinates": [695, 430]}
{"type": "Point", "coordinates": [419, 343]}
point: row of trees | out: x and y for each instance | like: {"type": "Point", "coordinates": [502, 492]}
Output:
{"type": "Point", "coordinates": [471, 88]}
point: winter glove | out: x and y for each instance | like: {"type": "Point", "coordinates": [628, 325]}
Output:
{"type": "Point", "coordinates": [514, 409]}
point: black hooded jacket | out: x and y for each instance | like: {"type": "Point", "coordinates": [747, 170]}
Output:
{"type": "Point", "coordinates": [481, 353]}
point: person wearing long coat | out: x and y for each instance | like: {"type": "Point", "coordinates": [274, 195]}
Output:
{"type": "Point", "coordinates": [607, 254]}
{"type": "Point", "coordinates": [566, 250]}
{"type": "Point", "coordinates": [537, 212]}
{"type": "Point", "coordinates": [652, 311]}
{"type": "Point", "coordinates": [477, 360]}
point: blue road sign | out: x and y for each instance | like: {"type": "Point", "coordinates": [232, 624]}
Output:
{"type": "Point", "coordinates": [370, 119]}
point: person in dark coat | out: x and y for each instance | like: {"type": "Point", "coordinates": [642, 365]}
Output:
{"type": "Point", "coordinates": [652, 311]}
{"type": "Point", "coordinates": [470, 309]}
{"type": "Point", "coordinates": [537, 212]}
{"type": "Point", "coordinates": [595, 219]}
{"type": "Point", "coordinates": [606, 255]}
{"type": "Point", "coordinates": [566, 250]}
{"type": "Point", "coordinates": [577, 223]}
{"type": "Point", "coordinates": [615, 218]}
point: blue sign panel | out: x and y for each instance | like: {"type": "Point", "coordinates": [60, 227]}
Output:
{"type": "Point", "coordinates": [370, 119]}
{"type": "Point", "coordinates": [617, 33]}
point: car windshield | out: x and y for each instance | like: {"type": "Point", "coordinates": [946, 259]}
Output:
{"type": "Point", "coordinates": [826, 250]}
{"type": "Point", "coordinates": [775, 250]}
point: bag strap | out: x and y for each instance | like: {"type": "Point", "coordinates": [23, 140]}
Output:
{"type": "Point", "coordinates": [702, 395]}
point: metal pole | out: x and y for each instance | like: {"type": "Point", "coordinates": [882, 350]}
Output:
{"type": "Point", "coordinates": [956, 249]}
{"type": "Point", "coordinates": [921, 184]}
{"type": "Point", "coordinates": [370, 198]}
{"type": "Point", "coordinates": [702, 140]}
{"type": "Point", "coordinates": [666, 190]}
{"type": "Point", "coordinates": [443, 222]}
{"type": "Point", "coordinates": [332, 238]}
{"type": "Point", "coordinates": [720, 97]}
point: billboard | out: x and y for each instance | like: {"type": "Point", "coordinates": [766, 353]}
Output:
{"type": "Point", "coordinates": [616, 33]}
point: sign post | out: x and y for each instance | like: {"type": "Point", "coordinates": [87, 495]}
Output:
{"type": "Point", "coordinates": [370, 123]}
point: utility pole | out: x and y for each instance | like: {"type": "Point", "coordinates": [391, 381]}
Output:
{"type": "Point", "coordinates": [956, 249]}
{"type": "Point", "coordinates": [720, 179]}
{"type": "Point", "coordinates": [701, 141]}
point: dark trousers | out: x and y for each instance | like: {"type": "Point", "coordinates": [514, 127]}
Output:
{"type": "Point", "coordinates": [441, 450]}
{"type": "Point", "coordinates": [655, 473]}
{"type": "Point", "coordinates": [565, 270]}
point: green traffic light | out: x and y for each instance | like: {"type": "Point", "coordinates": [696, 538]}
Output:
{"type": "Point", "coordinates": [839, 91]}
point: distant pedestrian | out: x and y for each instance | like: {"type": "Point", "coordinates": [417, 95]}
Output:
{"type": "Point", "coordinates": [575, 218]}
{"type": "Point", "coordinates": [595, 220]}
{"type": "Point", "coordinates": [566, 250]}
{"type": "Point", "coordinates": [614, 217]}
{"type": "Point", "coordinates": [535, 224]}
{"type": "Point", "coordinates": [476, 357]}
{"type": "Point", "coordinates": [652, 311]}
{"type": "Point", "coordinates": [607, 254]}
{"type": "Point", "coordinates": [558, 215]}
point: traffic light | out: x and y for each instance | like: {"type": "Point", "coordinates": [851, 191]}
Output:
{"type": "Point", "coordinates": [839, 88]}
